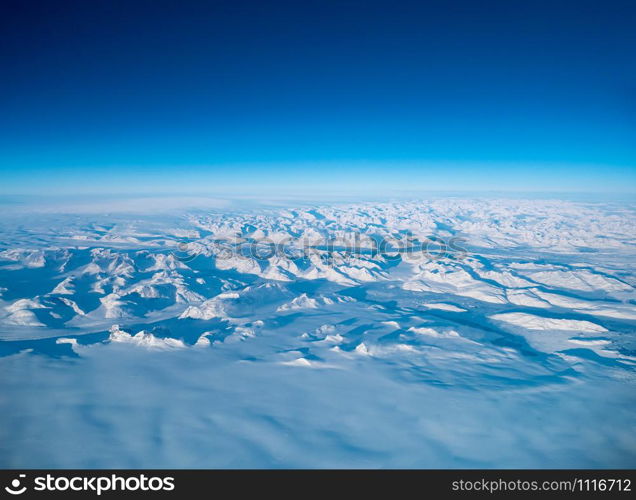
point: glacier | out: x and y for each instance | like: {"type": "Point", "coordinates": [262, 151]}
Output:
{"type": "Point", "coordinates": [446, 332]}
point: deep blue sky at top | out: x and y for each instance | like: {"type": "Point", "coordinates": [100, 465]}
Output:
{"type": "Point", "coordinates": [205, 96]}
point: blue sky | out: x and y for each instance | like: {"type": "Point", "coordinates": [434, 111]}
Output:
{"type": "Point", "coordinates": [303, 96]}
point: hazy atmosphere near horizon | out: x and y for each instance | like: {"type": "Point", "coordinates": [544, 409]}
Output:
{"type": "Point", "coordinates": [318, 234]}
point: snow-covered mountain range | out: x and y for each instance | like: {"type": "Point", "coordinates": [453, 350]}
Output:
{"type": "Point", "coordinates": [434, 333]}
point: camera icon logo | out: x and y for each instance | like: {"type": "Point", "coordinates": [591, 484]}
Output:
{"type": "Point", "coordinates": [15, 489]}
